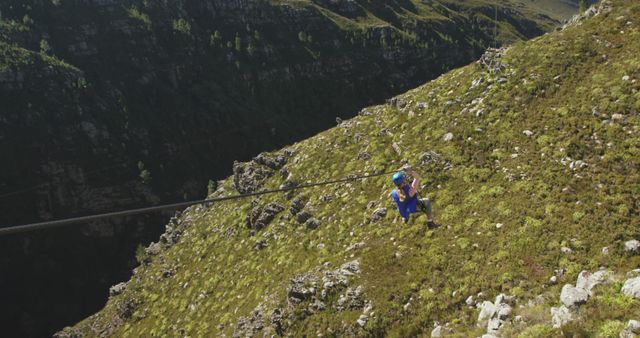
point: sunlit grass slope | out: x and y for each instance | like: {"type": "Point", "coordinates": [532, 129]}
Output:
{"type": "Point", "coordinates": [549, 148]}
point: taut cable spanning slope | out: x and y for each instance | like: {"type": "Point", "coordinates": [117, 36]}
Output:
{"type": "Point", "coordinates": [83, 219]}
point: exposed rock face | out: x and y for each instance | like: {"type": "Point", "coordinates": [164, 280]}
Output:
{"type": "Point", "coordinates": [494, 315]}
{"type": "Point", "coordinates": [260, 217]}
{"type": "Point", "coordinates": [560, 316]}
{"type": "Point", "coordinates": [631, 287]}
{"type": "Point", "coordinates": [572, 296]}
{"type": "Point", "coordinates": [117, 289]}
{"type": "Point", "coordinates": [308, 294]}
{"type": "Point", "coordinates": [378, 214]}
{"type": "Point", "coordinates": [588, 281]}
{"type": "Point", "coordinates": [632, 246]}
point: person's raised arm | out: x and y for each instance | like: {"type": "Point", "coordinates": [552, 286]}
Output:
{"type": "Point", "coordinates": [415, 185]}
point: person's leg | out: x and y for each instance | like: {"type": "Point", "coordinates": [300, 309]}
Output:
{"type": "Point", "coordinates": [425, 203]}
{"type": "Point", "coordinates": [426, 206]}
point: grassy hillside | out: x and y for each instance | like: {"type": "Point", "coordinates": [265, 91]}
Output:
{"type": "Point", "coordinates": [111, 104]}
{"type": "Point", "coordinates": [531, 169]}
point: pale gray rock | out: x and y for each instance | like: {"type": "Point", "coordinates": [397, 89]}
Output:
{"type": "Point", "coordinates": [379, 214]}
{"type": "Point", "coordinates": [437, 332]}
{"type": "Point", "coordinates": [504, 312]}
{"type": "Point", "coordinates": [117, 289]}
{"type": "Point", "coordinates": [566, 250]}
{"type": "Point", "coordinates": [572, 296]}
{"type": "Point", "coordinates": [631, 287]}
{"type": "Point", "coordinates": [634, 326]}
{"type": "Point", "coordinates": [632, 330]}
{"type": "Point", "coordinates": [362, 321]}
{"type": "Point", "coordinates": [494, 325]}
{"type": "Point", "coordinates": [447, 137]}
{"type": "Point", "coordinates": [470, 301]}
{"type": "Point", "coordinates": [632, 246]}
{"type": "Point", "coordinates": [560, 316]}
{"type": "Point", "coordinates": [588, 281]}
{"type": "Point", "coordinates": [487, 311]}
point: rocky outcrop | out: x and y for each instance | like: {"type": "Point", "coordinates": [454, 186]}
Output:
{"type": "Point", "coordinates": [631, 287]}
{"type": "Point", "coordinates": [493, 315]}
{"type": "Point", "coordinates": [260, 217]}
{"type": "Point", "coordinates": [572, 297]}
{"type": "Point", "coordinates": [308, 294]}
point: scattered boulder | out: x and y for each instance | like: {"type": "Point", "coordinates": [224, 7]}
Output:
{"type": "Point", "coordinates": [362, 321]}
{"type": "Point", "coordinates": [632, 246]}
{"type": "Point", "coordinates": [355, 246]}
{"type": "Point", "coordinates": [352, 299]}
{"type": "Point", "coordinates": [491, 60]}
{"type": "Point", "coordinates": [494, 325]}
{"type": "Point", "coordinates": [437, 332]}
{"type": "Point", "coordinates": [487, 310]}
{"type": "Point", "coordinates": [502, 298]}
{"type": "Point", "coordinates": [398, 102]}
{"type": "Point", "coordinates": [69, 332]}
{"type": "Point", "coordinates": [573, 297]}
{"type": "Point", "coordinates": [303, 216]}
{"type": "Point", "coordinates": [470, 301]}
{"type": "Point", "coordinates": [429, 157]}
{"type": "Point", "coordinates": [277, 321]}
{"type": "Point", "coordinates": [117, 289]}
{"type": "Point", "coordinates": [447, 137]}
{"type": "Point", "coordinates": [335, 279]}
{"type": "Point", "coordinates": [312, 223]}
{"type": "Point", "coordinates": [588, 281]}
{"type": "Point", "coordinates": [527, 132]}
{"type": "Point", "coordinates": [301, 288]}
{"type": "Point", "coordinates": [631, 287]}
{"type": "Point", "coordinates": [566, 250]}
{"type": "Point", "coordinates": [248, 177]}
{"type": "Point", "coordinates": [248, 327]}
{"type": "Point", "coordinates": [273, 162]}
{"type": "Point", "coordinates": [378, 214]}
{"type": "Point", "coordinates": [153, 249]}
{"type": "Point", "coordinates": [560, 316]}
{"type": "Point", "coordinates": [125, 308]}
{"type": "Point", "coordinates": [504, 312]}
{"type": "Point", "coordinates": [259, 217]}
{"type": "Point", "coordinates": [297, 205]}
{"type": "Point", "coordinates": [632, 330]}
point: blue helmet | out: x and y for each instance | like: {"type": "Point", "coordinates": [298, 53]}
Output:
{"type": "Point", "coordinates": [398, 178]}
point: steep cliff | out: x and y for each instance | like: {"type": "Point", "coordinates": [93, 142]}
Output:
{"type": "Point", "coordinates": [113, 104]}
{"type": "Point", "coordinates": [530, 158]}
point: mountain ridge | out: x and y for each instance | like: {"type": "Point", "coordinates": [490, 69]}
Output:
{"type": "Point", "coordinates": [112, 104]}
{"type": "Point", "coordinates": [531, 180]}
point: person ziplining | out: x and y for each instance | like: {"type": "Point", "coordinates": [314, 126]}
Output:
{"type": "Point", "coordinates": [407, 199]}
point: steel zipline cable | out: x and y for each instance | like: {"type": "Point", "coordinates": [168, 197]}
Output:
{"type": "Point", "coordinates": [83, 219]}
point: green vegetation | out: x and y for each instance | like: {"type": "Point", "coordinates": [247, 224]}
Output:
{"type": "Point", "coordinates": [583, 5]}
{"type": "Point", "coordinates": [144, 18]}
{"type": "Point", "coordinates": [165, 81]}
{"type": "Point", "coordinates": [530, 150]}
{"type": "Point", "coordinates": [183, 26]}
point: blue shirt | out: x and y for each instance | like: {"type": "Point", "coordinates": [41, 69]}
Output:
{"type": "Point", "coordinates": [409, 205]}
